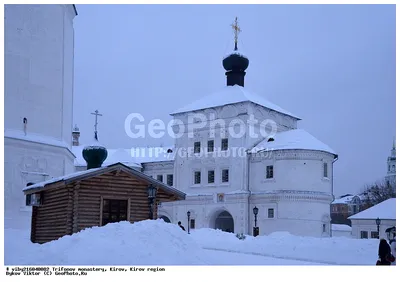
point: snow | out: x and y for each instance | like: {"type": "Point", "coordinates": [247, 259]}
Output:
{"type": "Point", "coordinates": [235, 53]}
{"type": "Point", "coordinates": [295, 139]}
{"type": "Point", "coordinates": [154, 242]}
{"type": "Point", "coordinates": [129, 157]}
{"type": "Point", "coordinates": [231, 95]}
{"type": "Point", "coordinates": [60, 178]}
{"type": "Point", "coordinates": [341, 227]}
{"type": "Point", "coordinates": [335, 250]}
{"type": "Point", "coordinates": [35, 138]}
{"type": "Point", "coordinates": [344, 200]}
{"type": "Point", "coordinates": [115, 244]}
{"type": "Point", "coordinates": [234, 258]}
{"type": "Point", "coordinates": [384, 210]}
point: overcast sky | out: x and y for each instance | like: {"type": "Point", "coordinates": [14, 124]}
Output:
{"type": "Point", "coordinates": [332, 65]}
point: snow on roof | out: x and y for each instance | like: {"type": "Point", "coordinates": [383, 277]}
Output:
{"type": "Point", "coordinates": [132, 171]}
{"type": "Point", "coordinates": [35, 138]}
{"type": "Point", "coordinates": [60, 178]}
{"type": "Point", "coordinates": [129, 157]}
{"type": "Point", "coordinates": [341, 227]}
{"type": "Point", "coordinates": [344, 200]}
{"type": "Point", "coordinates": [231, 95]}
{"type": "Point", "coordinates": [384, 210]}
{"type": "Point", "coordinates": [295, 139]}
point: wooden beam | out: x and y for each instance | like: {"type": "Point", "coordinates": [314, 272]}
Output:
{"type": "Point", "coordinates": [76, 208]}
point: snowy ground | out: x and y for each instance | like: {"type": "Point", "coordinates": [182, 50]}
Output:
{"type": "Point", "coordinates": [231, 258]}
{"type": "Point", "coordinates": [154, 242]}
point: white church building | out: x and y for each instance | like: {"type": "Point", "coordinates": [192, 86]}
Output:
{"type": "Point", "coordinates": [226, 164]}
{"type": "Point", "coordinates": [38, 67]}
{"type": "Point", "coordinates": [282, 171]}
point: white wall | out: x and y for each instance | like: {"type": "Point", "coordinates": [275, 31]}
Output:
{"type": "Point", "coordinates": [38, 68]}
{"type": "Point", "coordinates": [26, 162]}
{"type": "Point", "coordinates": [238, 142]}
{"type": "Point", "coordinates": [160, 168]}
{"type": "Point", "coordinates": [358, 225]}
{"type": "Point", "coordinates": [341, 233]}
{"type": "Point", "coordinates": [204, 209]}
{"type": "Point", "coordinates": [303, 172]}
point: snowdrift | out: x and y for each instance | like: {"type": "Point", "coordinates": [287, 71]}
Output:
{"type": "Point", "coordinates": [335, 250]}
{"type": "Point", "coordinates": [149, 242]}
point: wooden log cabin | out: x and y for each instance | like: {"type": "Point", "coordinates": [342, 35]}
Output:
{"type": "Point", "coordinates": [95, 197]}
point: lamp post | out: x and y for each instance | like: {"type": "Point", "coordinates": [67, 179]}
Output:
{"type": "Point", "coordinates": [151, 193]}
{"type": "Point", "coordinates": [378, 223]}
{"type": "Point", "coordinates": [255, 229]}
{"type": "Point", "coordinates": [188, 216]}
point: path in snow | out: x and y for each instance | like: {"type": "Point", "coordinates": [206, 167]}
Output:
{"type": "Point", "coordinates": [233, 258]}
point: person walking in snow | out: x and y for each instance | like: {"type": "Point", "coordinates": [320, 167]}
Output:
{"type": "Point", "coordinates": [384, 252]}
{"type": "Point", "coordinates": [393, 248]}
{"type": "Point", "coordinates": [181, 226]}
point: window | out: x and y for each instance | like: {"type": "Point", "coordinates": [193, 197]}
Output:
{"type": "Point", "coordinates": [192, 224]}
{"type": "Point", "coordinates": [324, 228]}
{"type": "Point", "coordinates": [170, 179]}
{"type": "Point", "coordinates": [196, 147]}
{"type": "Point", "coordinates": [225, 175]}
{"type": "Point", "coordinates": [114, 211]}
{"type": "Point", "coordinates": [211, 175]}
{"type": "Point", "coordinates": [270, 213]}
{"type": "Point", "coordinates": [197, 177]}
{"type": "Point", "coordinates": [160, 177]}
{"type": "Point", "coordinates": [374, 235]}
{"type": "Point", "coordinates": [210, 146]}
{"type": "Point", "coordinates": [364, 235]}
{"type": "Point", "coordinates": [224, 144]}
{"type": "Point", "coordinates": [325, 169]}
{"type": "Point", "coordinates": [270, 172]}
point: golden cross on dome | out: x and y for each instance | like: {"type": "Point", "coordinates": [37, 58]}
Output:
{"type": "Point", "coordinates": [236, 30]}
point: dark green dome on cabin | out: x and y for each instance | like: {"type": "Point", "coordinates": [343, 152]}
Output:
{"type": "Point", "coordinates": [94, 154]}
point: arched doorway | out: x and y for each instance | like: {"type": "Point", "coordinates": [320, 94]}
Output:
{"type": "Point", "coordinates": [166, 219]}
{"type": "Point", "coordinates": [224, 222]}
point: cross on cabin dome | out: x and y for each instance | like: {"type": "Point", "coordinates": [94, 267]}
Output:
{"type": "Point", "coordinates": [95, 154]}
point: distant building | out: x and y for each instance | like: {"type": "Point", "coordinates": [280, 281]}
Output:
{"type": "Point", "coordinates": [344, 207]}
{"type": "Point", "coordinates": [364, 223]}
{"type": "Point", "coordinates": [391, 166]}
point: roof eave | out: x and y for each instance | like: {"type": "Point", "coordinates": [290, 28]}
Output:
{"type": "Point", "coordinates": [106, 169]}
{"type": "Point", "coordinates": [76, 11]}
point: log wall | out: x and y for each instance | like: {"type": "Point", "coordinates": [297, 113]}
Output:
{"type": "Point", "coordinates": [50, 221]}
{"type": "Point", "coordinates": [72, 208]}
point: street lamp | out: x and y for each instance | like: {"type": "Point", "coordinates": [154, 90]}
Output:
{"type": "Point", "coordinates": [255, 229]}
{"type": "Point", "coordinates": [378, 223]}
{"type": "Point", "coordinates": [188, 215]}
{"type": "Point", "coordinates": [151, 193]}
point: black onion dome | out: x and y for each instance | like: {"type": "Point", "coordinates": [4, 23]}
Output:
{"type": "Point", "coordinates": [235, 62]}
{"type": "Point", "coordinates": [94, 155]}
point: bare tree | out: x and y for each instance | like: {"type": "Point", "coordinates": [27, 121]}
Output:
{"type": "Point", "coordinates": [377, 193]}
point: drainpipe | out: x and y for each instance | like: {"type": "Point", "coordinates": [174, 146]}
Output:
{"type": "Point", "coordinates": [334, 160]}
{"type": "Point", "coordinates": [248, 190]}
